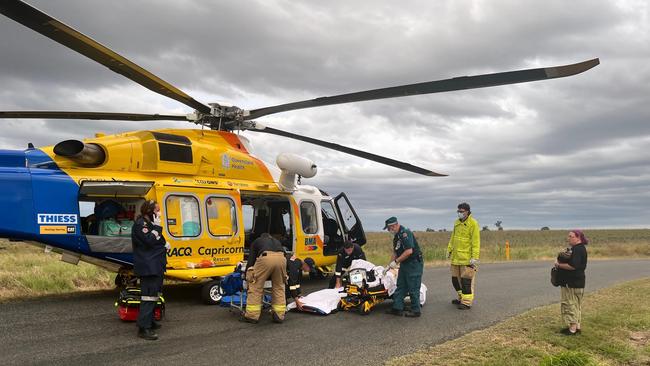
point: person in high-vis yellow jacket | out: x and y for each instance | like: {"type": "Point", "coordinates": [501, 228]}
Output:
{"type": "Point", "coordinates": [463, 249]}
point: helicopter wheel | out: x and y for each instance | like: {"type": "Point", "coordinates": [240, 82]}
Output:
{"type": "Point", "coordinates": [211, 292]}
{"type": "Point", "coordinates": [124, 280]}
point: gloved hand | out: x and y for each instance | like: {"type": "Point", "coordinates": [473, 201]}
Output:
{"type": "Point", "coordinates": [392, 265]}
{"type": "Point", "coordinates": [156, 220]}
{"type": "Point", "coordinates": [156, 234]}
{"type": "Point", "coordinates": [168, 246]}
{"type": "Point", "coordinates": [473, 262]}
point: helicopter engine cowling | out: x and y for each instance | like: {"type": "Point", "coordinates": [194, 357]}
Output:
{"type": "Point", "coordinates": [85, 154]}
{"type": "Point", "coordinates": [292, 165]}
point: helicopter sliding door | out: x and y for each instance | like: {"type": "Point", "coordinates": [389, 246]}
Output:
{"type": "Point", "coordinates": [202, 226]}
{"type": "Point", "coordinates": [351, 223]}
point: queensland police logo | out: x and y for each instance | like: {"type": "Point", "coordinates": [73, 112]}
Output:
{"type": "Point", "coordinates": [225, 161]}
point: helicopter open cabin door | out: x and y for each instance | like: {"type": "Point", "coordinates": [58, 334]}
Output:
{"type": "Point", "coordinates": [351, 223]}
{"type": "Point", "coordinates": [108, 210]}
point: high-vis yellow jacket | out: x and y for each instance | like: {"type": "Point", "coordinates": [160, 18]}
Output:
{"type": "Point", "coordinates": [465, 241]}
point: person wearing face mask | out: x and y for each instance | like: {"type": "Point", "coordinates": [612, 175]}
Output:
{"type": "Point", "coordinates": [149, 262]}
{"type": "Point", "coordinates": [408, 256]}
{"type": "Point", "coordinates": [463, 250]}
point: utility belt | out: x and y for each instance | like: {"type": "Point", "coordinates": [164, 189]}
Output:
{"type": "Point", "coordinates": [417, 257]}
{"type": "Point", "coordinates": [268, 252]}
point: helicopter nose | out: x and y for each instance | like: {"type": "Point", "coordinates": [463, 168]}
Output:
{"type": "Point", "coordinates": [16, 201]}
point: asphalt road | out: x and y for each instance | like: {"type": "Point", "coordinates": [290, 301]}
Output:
{"type": "Point", "coordinates": [85, 328]}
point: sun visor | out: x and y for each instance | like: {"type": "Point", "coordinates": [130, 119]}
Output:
{"type": "Point", "coordinates": [114, 188]}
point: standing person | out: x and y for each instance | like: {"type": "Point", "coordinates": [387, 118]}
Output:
{"type": "Point", "coordinates": [149, 262]}
{"type": "Point", "coordinates": [266, 260]}
{"type": "Point", "coordinates": [572, 277]}
{"type": "Point", "coordinates": [463, 249]}
{"type": "Point", "coordinates": [406, 254]}
{"type": "Point", "coordinates": [346, 255]}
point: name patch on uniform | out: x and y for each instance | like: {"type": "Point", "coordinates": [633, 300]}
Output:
{"type": "Point", "coordinates": [51, 219]}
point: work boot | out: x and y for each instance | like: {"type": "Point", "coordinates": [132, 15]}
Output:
{"type": "Point", "coordinates": [463, 307]}
{"type": "Point", "coordinates": [276, 317]}
{"type": "Point", "coordinates": [247, 320]}
{"type": "Point", "coordinates": [395, 312]}
{"type": "Point", "coordinates": [412, 314]}
{"type": "Point", "coordinates": [147, 334]}
{"type": "Point", "coordinates": [455, 302]}
{"type": "Point", "coordinates": [155, 325]}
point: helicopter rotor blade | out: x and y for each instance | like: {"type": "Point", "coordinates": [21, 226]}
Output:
{"type": "Point", "coordinates": [48, 26]}
{"type": "Point", "coordinates": [92, 116]}
{"type": "Point", "coordinates": [457, 83]}
{"type": "Point", "coordinates": [362, 154]}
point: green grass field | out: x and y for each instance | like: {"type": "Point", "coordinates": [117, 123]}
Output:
{"type": "Point", "coordinates": [615, 331]}
{"type": "Point", "coordinates": [25, 270]}
{"type": "Point", "coordinates": [524, 244]}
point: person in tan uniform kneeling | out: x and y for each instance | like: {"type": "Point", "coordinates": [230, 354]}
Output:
{"type": "Point", "coordinates": [266, 261]}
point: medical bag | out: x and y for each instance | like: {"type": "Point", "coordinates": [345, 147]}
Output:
{"type": "Point", "coordinates": [128, 305]}
{"type": "Point", "coordinates": [111, 227]}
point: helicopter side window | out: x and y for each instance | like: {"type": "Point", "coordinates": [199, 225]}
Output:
{"type": "Point", "coordinates": [308, 217]}
{"type": "Point", "coordinates": [183, 217]}
{"type": "Point", "coordinates": [222, 217]}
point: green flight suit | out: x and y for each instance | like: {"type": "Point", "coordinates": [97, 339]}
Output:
{"type": "Point", "coordinates": [409, 277]}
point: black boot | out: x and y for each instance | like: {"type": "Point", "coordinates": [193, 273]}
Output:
{"type": "Point", "coordinates": [395, 312]}
{"type": "Point", "coordinates": [155, 325]}
{"type": "Point", "coordinates": [147, 334]}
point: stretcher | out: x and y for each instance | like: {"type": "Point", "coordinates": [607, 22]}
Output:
{"type": "Point", "coordinates": [234, 290]}
{"type": "Point", "coordinates": [369, 285]}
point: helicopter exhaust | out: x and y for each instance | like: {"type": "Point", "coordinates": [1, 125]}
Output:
{"type": "Point", "coordinates": [292, 165]}
{"type": "Point", "coordinates": [90, 155]}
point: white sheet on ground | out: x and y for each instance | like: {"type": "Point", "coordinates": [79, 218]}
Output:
{"type": "Point", "coordinates": [323, 301]}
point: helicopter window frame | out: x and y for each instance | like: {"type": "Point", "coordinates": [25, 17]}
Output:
{"type": "Point", "coordinates": [198, 208]}
{"type": "Point", "coordinates": [314, 222]}
{"type": "Point", "coordinates": [234, 217]}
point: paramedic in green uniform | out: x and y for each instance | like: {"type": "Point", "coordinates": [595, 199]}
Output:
{"type": "Point", "coordinates": [406, 255]}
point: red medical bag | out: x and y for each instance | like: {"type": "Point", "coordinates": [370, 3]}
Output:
{"type": "Point", "coordinates": [128, 305]}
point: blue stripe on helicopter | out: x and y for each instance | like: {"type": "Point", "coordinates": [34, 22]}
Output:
{"type": "Point", "coordinates": [31, 184]}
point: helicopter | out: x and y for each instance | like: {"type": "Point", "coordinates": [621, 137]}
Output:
{"type": "Point", "coordinates": [80, 198]}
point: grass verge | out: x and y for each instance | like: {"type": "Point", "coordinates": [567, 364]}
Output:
{"type": "Point", "coordinates": [26, 271]}
{"type": "Point", "coordinates": [615, 331]}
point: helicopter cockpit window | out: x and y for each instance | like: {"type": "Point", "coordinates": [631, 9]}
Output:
{"type": "Point", "coordinates": [183, 217]}
{"type": "Point", "coordinates": [222, 217]}
{"type": "Point", "coordinates": [308, 217]}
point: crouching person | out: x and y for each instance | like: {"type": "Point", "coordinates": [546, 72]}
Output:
{"type": "Point", "coordinates": [265, 261]}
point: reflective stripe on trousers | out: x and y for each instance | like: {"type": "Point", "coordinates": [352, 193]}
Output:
{"type": "Point", "coordinates": [272, 265]}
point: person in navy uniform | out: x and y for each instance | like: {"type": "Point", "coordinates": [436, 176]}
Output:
{"type": "Point", "coordinates": [295, 268]}
{"type": "Point", "coordinates": [406, 255]}
{"type": "Point", "coordinates": [346, 255]}
{"type": "Point", "coordinates": [149, 263]}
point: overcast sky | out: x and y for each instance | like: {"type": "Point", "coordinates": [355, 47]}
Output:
{"type": "Point", "coordinates": [564, 153]}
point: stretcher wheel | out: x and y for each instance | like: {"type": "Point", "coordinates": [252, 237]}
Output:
{"type": "Point", "coordinates": [364, 308]}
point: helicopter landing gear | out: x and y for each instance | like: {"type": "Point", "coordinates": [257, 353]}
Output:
{"type": "Point", "coordinates": [123, 280]}
{"type": "Point", "coordinates": [211, 292]}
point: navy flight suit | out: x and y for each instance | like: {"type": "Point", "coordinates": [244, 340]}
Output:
{"type": "Point", "coordinates": [149, 262]}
